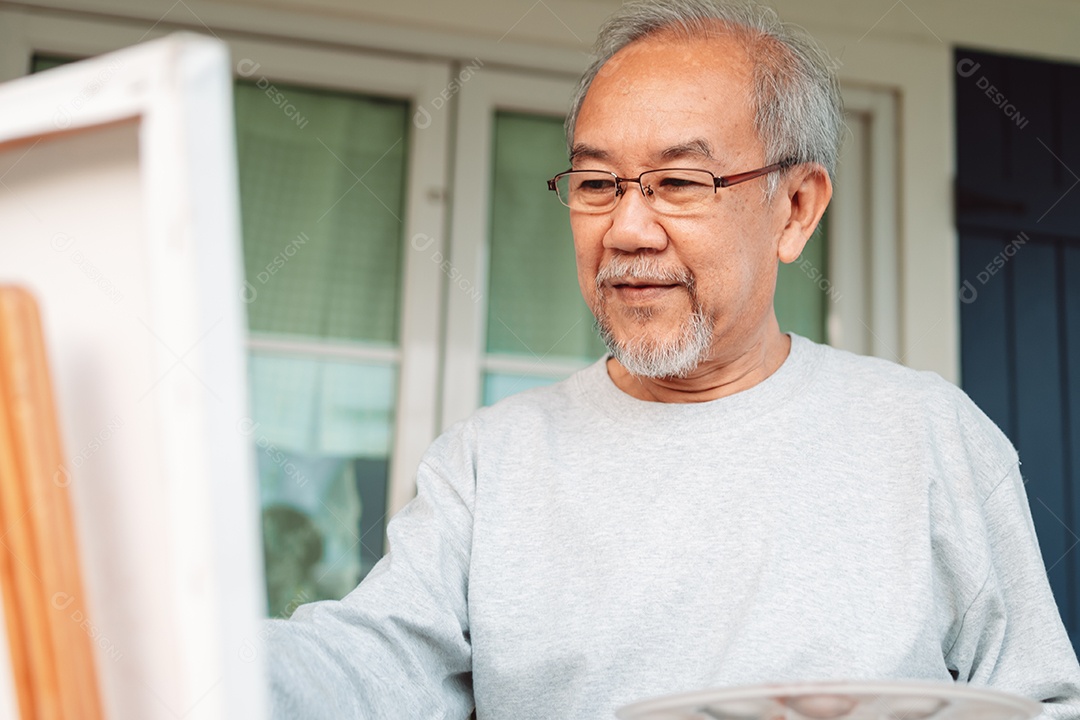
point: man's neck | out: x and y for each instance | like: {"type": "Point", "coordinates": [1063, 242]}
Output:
{"type": "Point", "coordinates": [713, 379]}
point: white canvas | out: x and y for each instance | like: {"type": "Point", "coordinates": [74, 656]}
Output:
{"type": "Point", "coordinates": [8, 704]}
{"type": "Point", "coordinates": [118, 209]}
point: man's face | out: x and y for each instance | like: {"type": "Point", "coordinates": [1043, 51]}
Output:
{"type": "Point", "coordinates": [674, 291]}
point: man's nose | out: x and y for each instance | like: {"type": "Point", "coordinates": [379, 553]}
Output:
{"type": "Point", "coordinates": [635, 225]}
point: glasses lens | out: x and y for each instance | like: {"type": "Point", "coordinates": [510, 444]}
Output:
{"type": "Point", "coordinates": [587, 190]}
{"type": "Point", "coordinates": [677, 190]}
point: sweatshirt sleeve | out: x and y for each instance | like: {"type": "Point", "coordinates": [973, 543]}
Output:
{"type": "Point", "coordinates": [1012, 638]}
{"type": "Point", "coordinates": [398, 645]}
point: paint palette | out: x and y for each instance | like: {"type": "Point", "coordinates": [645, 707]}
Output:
{"type": "Point", "coordinates": [877, 700]}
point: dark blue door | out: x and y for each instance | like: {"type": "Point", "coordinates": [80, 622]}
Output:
{"type": "Point", "coordinates": [1018, 216]}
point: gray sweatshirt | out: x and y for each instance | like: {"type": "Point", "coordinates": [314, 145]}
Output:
{"type": "Point", "coordinates": [572, 549]}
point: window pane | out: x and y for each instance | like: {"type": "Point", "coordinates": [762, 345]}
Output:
{"type": "Point", "coordinates": [500, 385]}
{"type": "Point", "coordinates": [41, 63]}
{"type": "Point", "coordinates": [804, 292]}
{"type": "Point", "coordinates": [322, 432]}
{"type": "Point", "coordinates": [322, 187]}
{"type": "Point", "coordinates": [535, 307]}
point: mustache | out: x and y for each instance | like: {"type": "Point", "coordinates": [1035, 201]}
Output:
{"type": "Point", "coordinates": [642, 268]}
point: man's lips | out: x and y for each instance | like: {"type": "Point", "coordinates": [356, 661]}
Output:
{"type": "Point", "coordinates": [639, 292]}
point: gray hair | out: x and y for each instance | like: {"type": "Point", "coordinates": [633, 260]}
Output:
{"type": "Point", "coordinates": [798, 110]}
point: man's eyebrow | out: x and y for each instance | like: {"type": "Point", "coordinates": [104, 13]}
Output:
{"type": "Point", "coordinates": [698, 147]}
{"type": "Point", "coordinates": [581, 150]}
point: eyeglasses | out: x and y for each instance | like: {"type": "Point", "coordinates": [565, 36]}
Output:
{"type": "Point", "coordinates": [668, 190]}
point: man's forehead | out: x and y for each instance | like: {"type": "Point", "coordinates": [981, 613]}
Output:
{"type": "Point", "coordinates": [666, 98]}
{"type": "Point", "coordinates": [720, 53]}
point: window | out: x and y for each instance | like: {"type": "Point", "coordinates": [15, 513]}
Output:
{"type": "Point", "coordinates": [334, 175]}
{"type": "Point", "coordinates": [538, 326]}
{"type": "Point", "coordinates": [335, 179]}
{"type": "Point", "coordinates": [323, 258]}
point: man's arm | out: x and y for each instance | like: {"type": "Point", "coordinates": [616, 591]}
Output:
{"type": "Point", "coordinates": [398, 645]}
{"type": "Point", "coordinates": [1012, 637]}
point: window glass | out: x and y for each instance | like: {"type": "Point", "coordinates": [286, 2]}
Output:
{"type": "Point", "coordinates": [41, 63]}
{"type": "Point", "coordinates": [803, 290]}
{"type": "Point", "coordinates": [322, 433]}
{"type": "Point", "coordinates": [322, 184]}
{"type": "Point", "coordinates": [535, 308]}
{"type": "Point", "coordinates": [499, 385]}
{"type": "Point", "coordinates": [322, 190]}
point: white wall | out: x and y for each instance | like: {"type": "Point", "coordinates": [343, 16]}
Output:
{"type": "Point", "coordinates": [901, 45]}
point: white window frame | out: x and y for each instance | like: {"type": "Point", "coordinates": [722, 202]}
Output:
{"type": "Point", "coordinates": [864, 232]}
{"type": "Point", "coordinates": [466, 325]}
{"type": "Point", "coordinates": [24, 34]}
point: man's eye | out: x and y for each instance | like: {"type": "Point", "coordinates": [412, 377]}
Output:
{"type": "Point", "coordinates": [676, 183]}
{"type": "Point", "coordinates": [600, 185]}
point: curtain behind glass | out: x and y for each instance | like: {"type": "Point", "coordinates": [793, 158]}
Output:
{"type": "Point", "coordinates": [322, 191]}
{"type": "Point", "coordinates": [41, 63]}
{"type": "Point", "coordinates": [535, 307]}
{"type": "Point", "coordinates": [804, 292]}
{"type": "Point", "coordinates": [322, 183]}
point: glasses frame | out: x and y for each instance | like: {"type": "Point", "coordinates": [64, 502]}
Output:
{"type": "Point", "coordinates": [719, 181]}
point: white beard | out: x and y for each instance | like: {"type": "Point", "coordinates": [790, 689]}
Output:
{"type": "Point", "coordinates": [673, 358]}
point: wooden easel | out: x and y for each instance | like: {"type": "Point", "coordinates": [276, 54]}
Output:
{"type": "Point", "coordinates": [51, 647]}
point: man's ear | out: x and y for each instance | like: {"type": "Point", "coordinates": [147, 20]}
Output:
{"type": "Point", "coordinates": [806, 192]}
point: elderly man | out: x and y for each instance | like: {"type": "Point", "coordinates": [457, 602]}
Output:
{"type": "Point", "coordinates": [715, 503]}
